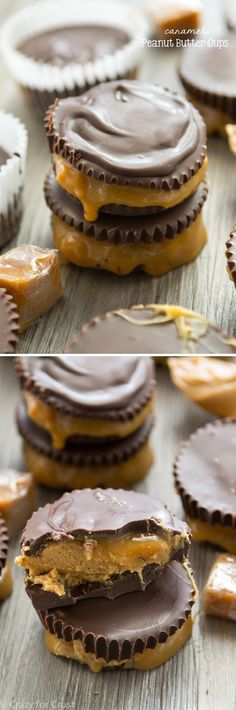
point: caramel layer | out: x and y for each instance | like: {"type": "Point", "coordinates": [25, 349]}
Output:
{"type": "Point", "coordinates": [6, 583]}
{"type": "Point", "coordinates": [94, 194]}
{"type": "Point", "coordinates": [150, 658]}
{"type": "Point", "coordinates": [56, 474]}
{"type": "Point", "coordinates": [221, 535]}
{"type": "Point", "coordinates": [61, 426]}
{"type": "Point", "coordinates": [156, 258]}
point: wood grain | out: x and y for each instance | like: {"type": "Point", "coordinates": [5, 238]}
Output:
{"type": "Point", "coordinates": [203, 285]}
{"type": "Point", "coordinates": [200, 677]}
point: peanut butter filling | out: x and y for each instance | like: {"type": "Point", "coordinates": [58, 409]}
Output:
{"type": "Point", "coordinates": [56, 474]}
{"type": "Point", "coordinates": [61, 426]}
{"type": "Point", "coordinates": [65, 564]}
{"type": "Point", "coordinates": [208, 381]}
{"type": "Point", "coordinates": [155, 259]}
{"type": "Point", "coordinates": [221, 535]}
{"type": "Point", "coordinates": [215, 119]}
{"type": "Point", "coordinates": [149, 659]}
{"type": "Point", "coordinates": [94, 194]}
{"type": "Point", "coordinates": [6, 583]}
{"type": "Point", "coordinates": [219, 597]}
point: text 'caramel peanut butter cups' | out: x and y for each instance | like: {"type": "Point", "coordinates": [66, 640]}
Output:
{"type": "Point", "coordinates": [128, 551]}
{"type": "Point", "coordinates": [13, 148]}
{"type": "Point", "coordinates": [87, 421]}
{"type": "Point", "coordinates": [208, 74]}
{"type": "Point", "coordinates": [64, 53]}
{"type": "Point", "coordinates": [209, 382]}
{"type": "Point", "coordinates": [153, 329]}
{"type": "Point", "coordinates": [9, 323]}
{"type": "Point", "coordinates": [5, 574]}
{"type": "Point", "coordinates": [205, 479]}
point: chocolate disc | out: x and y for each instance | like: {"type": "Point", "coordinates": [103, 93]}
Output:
{"type": "Point", "coordinates": [74, 45]}
{"type": "Point", "coordinates": [209, 74]}
{"type": "Point", "coordinates": [8, 322]}
{"type": "Point", "coordinates": [100, 513]}
{"type": "Point", "coordinates": [109, 387]}
{"type": "Point", "coordinates": [129, 133]}
{"type": "Point", "coordinates": [79, 452]}
{"type": "Point", "coordinates": [153, 329]}
{"type": "Point", "coordinates": [131, 623]}
{"type": "Point", "coordinates": [205, 476]}
{"type": "Point", "coordinates": [231, 255]}
{"type": "Point", "coordinates": [165, 224]}
{"type": "Point", "coordinates": [3, 544]}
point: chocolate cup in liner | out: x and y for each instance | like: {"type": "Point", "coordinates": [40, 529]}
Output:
{"type": "Point", "coordinates": [231, 255]}
{"type": "Point", "coordinates": [152, 228]}
{"type": "Point", "coordinates": [77, 452]}
{"type": "Point", "coordinates": [153, 329]}
{"type": "Point", "coordinates": [209, 75]}
{"type": "Point", "coordinates": [45, 81]}
{"type": "Point", "coordinates": [61, 382]}
{"type": "Point", "coordinates": [101, 513]}
{"type": "Point", "coordinates": [117, 629]}
{"type": "Point", "coordinates": [4, 539]}
{"type": "Point", "coordinates": [204, 473]}
{"type": "Point", "coordinates": [9, 323]}
{"type": "Point", "coordinates": [96, 154]}
{"type": "Point", "coordinates": [13, 140]}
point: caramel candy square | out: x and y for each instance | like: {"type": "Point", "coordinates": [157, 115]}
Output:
{"type": "Point", "coordinates": [32, 275]}
{"type": "Point", "coordinates": [174, 17]}
{"type": "Point", "coordinates": [17, 499]}
{"type": "Point", "coordinates": [219, 596]}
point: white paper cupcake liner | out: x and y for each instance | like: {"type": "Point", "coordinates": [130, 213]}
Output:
{"type": "Point", "coordinates": [13, 139]}
{"type": "Point", "coordinates": [45, 16]}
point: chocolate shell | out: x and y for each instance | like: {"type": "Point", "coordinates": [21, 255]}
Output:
{"type": "Point", "coordinates": [111, 387]}
{"type": "Point", "coordinates": [231, 255]}
{"type": "Point", "coordinates": [100, 513]}
{"type": "Point", "coordinates": [209, 74]}
{"type": "Point", "coordinates": [9, 322]}
{"type": "Point", "coordinates": [116, 630]}
{"type": "Point", "coordinates": [79, 451]}
{"type": "Point", "coordinates": [129, 133]}
{"type": "Point", "coordinates": [164, 224]}
{"type": "Point", "coordinates": [152, 329]}
{"type": "Point", "coordinates": [204, 472]}
{"type": "Point", "coordinates": [3, 544]}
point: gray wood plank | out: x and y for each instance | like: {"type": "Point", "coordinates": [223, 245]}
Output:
{"type": "Point", "coordinates": [200, 677]}
{"type": "Point", "coordinates": [203, 285]}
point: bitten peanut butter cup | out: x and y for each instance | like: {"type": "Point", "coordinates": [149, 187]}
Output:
{"type": "Point", "coordinates": [204, 473]}
{"type": "Point", "coordinates": [142, 629]}
{"type": "Point", "coordinates": [152, 329]}
{"type": "Point", "coordinates": [231, 255]}
{"type": "Point", "coordinates": [9, 322]}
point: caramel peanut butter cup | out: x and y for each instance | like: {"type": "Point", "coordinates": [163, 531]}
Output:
{"type": "Point", "coordinates": [141, 630]}
{"type": "Point", "coordinates": [208, 75]}
{"type": "Point", "coordinates": [5, 574]}
{"type": "Point", "coordinates": [109, 148]}
{"type": "Point", "coordinates": [208, 381]}
{"type": "Point", "coordinates": [154, 243]}
{"type": "Point", "coordinates": [231, 255]}
{"type": "Point", "coordinates": [152, 329]}
{"type": "Point", "coordinates": [204, 473]}
{"type": "Point", "coordinates": [9, 322]}
{"type": "Point", "coordinates": [85, 461]}
{"type": "Point", "coordinates": [96, 397]}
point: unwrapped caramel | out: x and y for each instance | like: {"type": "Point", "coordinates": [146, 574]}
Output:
{"type": "Point", "coordinates": [17, 498]}
{"type": "Point", "coordinates": [219, 596]}
{"type": "Point", "coordinates": [31, 274]}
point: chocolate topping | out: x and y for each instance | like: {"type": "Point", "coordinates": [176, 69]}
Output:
{"type": "Point", "coordinates": [117, 629]}
{"type": "Point", "coordinates": [109, 387]}
{"type": "Point", "coordinates": [129, 132]}
{"type": "Point", "coordinates": [154, 227]}
{"type": "Point", "coordinates": [3, 156]}
{"type": "Point", "coordinates": [8, 322]}
{"type": "Point", "coordinates": [3, 544]}
{"type": "Point", "coordinates": [99, 513]}
{"type": "Point", "coordinates": [209, 74]}
{"type": "Point", "coordinates": [231, 255]}
{"type": "Point", "coordinates": [204, 472]}
{"type": "Point", "coordinates": [81, 452]}
{"type": "Point", "coordinates": [74, 45]}
{"type": "Point", "coordinates": [152, 329]}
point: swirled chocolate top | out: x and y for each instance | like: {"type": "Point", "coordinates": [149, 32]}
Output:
{"type": "Point", "coordinates": [73, 45]}
{"type": "Point", "coordinates": [129, 132]}
{"type": "Point", "coordinates": [90, 386]}
{"type": "Point", "coordinates": [99, 513]}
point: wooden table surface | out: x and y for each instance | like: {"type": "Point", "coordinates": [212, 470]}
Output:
{"type": "Point", "coordinates": [202, 286]}
{"type": "Point", "coordinates": [200, 677]}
